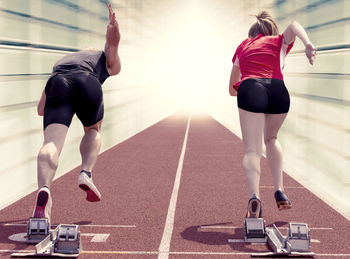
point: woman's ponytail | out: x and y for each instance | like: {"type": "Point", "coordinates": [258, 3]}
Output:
{"type": "Point", "coordinates": [265, 25]}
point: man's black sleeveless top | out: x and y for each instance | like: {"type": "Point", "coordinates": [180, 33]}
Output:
{"type": "Point", "coordinates": [92, 61]}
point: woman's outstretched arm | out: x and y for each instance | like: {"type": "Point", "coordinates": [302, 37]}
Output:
{"type": "Point", "coordinates": [296, 30]}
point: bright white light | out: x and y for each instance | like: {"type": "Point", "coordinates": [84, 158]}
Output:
{"type": "Point", "coordinates": [183, 48]}
{"type": "Point", "coordinates": [197, 62]}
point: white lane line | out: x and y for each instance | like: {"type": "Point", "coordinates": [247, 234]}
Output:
{"type": "Point", "coordinates": [285, 187]}
{"type": "Point", "coordinates": [235, 227]}
{"type": "Point", "coordinates": [164, 246]}
{"type": "Point", "coordinates": [82, 226]}
{"type": "Point", "coordinates": [243, 241]}
{"type": "Point", "coordinates": [96, 238]}
{"type": "Point", "coordinates": [219, 227]}
{"type": "Point", "coordinates": [174, 253]}
{"type": "Point", "coordinates": [239, 241]}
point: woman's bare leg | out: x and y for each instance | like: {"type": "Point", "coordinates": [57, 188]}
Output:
{"type": "Point", "coordinates": [252, 126]}
{"type": "Point", "coordinates": [274, 154]}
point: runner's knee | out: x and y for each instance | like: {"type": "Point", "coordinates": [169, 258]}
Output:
{"type": "Point", "coordinates": [96, 127]}
{"type": "Point", "coordinates": [271, 140]}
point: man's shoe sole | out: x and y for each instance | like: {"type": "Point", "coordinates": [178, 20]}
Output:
{"type": "Point", "coordinates": [90, 195]}
{"type": "Point", "coordinates": [41, 203]}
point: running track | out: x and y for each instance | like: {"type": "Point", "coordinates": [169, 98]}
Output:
{"type": "Point", "coordinates": [175, 190]}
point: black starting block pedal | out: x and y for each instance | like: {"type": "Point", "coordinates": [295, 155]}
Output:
{"type": "Point", "coordinates": [64, 241]}
{"type": "Point", "coordinates": [296, 243]}
{"type": "Point", "coordinates": [255, 230]}
{"type": "Point", "coordinates": [37, 230]}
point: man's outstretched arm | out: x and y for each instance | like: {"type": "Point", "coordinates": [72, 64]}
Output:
{"type": "Point", "coordinates": [112, 43]}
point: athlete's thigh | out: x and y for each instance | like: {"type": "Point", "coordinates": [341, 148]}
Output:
{"type": "Point", "coordinates": [58, 108]}
{"type": "Point", "coordinates": [88, 103]}
{"type": "Point", "coordinates": [55, 134]}
{"type": "Point", "coordinates": [273, 123]}
{"type": "Point", "coordinates": [252, 126]}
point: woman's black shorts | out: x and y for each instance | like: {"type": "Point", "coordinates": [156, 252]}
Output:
{"type": "Point", "coordinates": [263, 95]}
{"type": "Point", "coordinates": [72, 93]}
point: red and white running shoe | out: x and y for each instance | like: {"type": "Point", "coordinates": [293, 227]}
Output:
{"type": "Point", "coordinates": [86, 184]}
{"type": "Point", "coordinates": [43, 204]}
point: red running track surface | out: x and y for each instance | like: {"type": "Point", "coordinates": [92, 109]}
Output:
{"type": "Point", "coordinates": [136, 179]}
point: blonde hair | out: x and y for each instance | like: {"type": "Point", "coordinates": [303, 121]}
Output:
{"type": "Point", "coordinates": [265, 25]}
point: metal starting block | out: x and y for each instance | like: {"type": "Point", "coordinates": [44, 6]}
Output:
{"type": "Point", "coordinates": [64, 241]}
{"type": "Point", "coordinates": [68, 239]}
{"type": "Point", "coordinates": [296, 243]}
{"type": "Point", "coordinates": [37, 230]}
{"type": "Point", "coordinates": [255, 230]}
{"type": "Point", "coordinates": [299, 237]}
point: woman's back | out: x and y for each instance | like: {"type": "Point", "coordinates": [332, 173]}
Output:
{"type": "Point", "coordinates": [261, 57]}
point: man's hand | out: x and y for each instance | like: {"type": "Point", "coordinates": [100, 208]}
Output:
{"type": "Point", "coordinates": [112, 35]}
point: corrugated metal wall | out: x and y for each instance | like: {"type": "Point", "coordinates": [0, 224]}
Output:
{"type": "Point", "coordinates": [34, 34]}
{"type": "Point", "coordinates": [316, 134]}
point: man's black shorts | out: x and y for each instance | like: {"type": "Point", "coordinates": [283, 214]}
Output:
{"type": "Point", "coordinates": [72, 93]}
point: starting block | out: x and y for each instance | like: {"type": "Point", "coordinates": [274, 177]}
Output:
{"type": "Point", "coordinates": [37, 230]}
{"type": "Point", "coordinates": [64, 241]}
{"type": "Point", "coordinates": [68, 240]}
{"type": "Point", "coordinates": [255, 230]}
{"type": "Point", "coordinates": [296, 243]}
{"type": "Point", "coordinates": [299, 237]}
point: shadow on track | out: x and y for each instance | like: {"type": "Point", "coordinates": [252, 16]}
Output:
{"type": "Point", "coordinates": [219, 236]}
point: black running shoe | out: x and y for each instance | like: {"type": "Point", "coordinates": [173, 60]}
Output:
{"type": "Point", "coordinates": [254, 209]}
{"type": "Point", "coordinates": [282, 200]}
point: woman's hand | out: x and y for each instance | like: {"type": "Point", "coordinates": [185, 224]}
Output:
{"type": "Point", "coordinates": [310, 52]}
{"type": "Point", "coordinates": [233, 91]}
{"type": "Point", "coordinates": [234, 78]}
{"type": "Point", "coordinates": [112, 35]}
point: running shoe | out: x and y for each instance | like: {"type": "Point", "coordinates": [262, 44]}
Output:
{"type": "Point", "coordinates": [43, 204]}
{"type": "Point", "coordinates": [254, 208]}
{"type": "Point", "coordinates": [282, 200]}
{"type": "Point", "coordinates": [86, 184]}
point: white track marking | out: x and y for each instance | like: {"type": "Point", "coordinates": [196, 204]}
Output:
{"type": "Point", "coordinates": [169, 253]}
{"type": "Point", "coordinates": [96, 237]}
{"type": "Point", "coordinates": [243, 241]}
{"type": "Point", "coordinates": [285, 187]}
{"type": "Point", "coordinates": [235, 227]}
{"type": "Point", "coordinates": [220, 227]}
{"type": "Point", "coordinates": [164, 246]}
{"type": "Point", "coordinates": [239, 241]}
{"type": "Point", "coordinates": [80, 226]}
